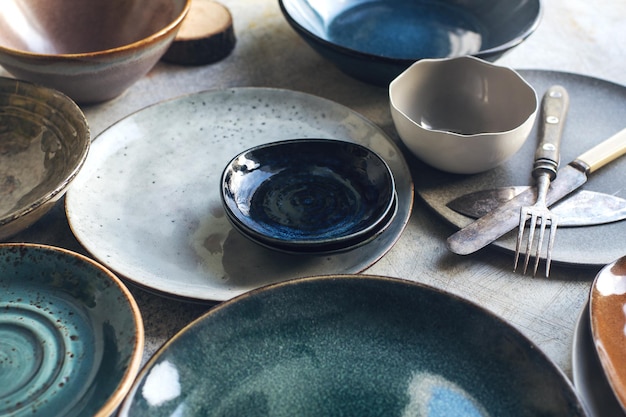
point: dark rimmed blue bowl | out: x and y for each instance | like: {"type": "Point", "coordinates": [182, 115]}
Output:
{"type": "Point", "coordinates": [308, 195]}
{"type": "Point", "coordinates": [376, 40]}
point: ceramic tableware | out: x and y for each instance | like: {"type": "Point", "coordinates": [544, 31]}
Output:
{"type": "Point", "coordinates": [590, 99]}
{"type": "Point", "coordinates": [308, 195]}
{"type": "Point", "coordinates": [462, 115]}
{"type": "Point", "coordinates": [71, 334]}
{"type": "Point", "coordinates": [375, 41]}
{"type": "Point", "coordinates": [607, 312]}
{"type": "Point", "coordinates": [351, 345]}
{"type": "Point", "coordinates": [44, 141]}
{"type": "Point", "coordinates": [588, 375]}
{"type": "Point", "coordinates": [92, 51]}
{"type": "Point", "coordinates": [147, 203]}
{"type": "Point", "coordinates": [329, 247]}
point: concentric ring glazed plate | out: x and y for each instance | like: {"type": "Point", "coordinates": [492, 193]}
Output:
{"type": "Point", "coordinates": [71, 334]}
{"type": "Point", "coordinates": [147, 202]}
{"type": "Point", "coordinates": [351, 346]}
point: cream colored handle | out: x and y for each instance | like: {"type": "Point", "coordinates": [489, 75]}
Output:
{"type": "Point", "coordinates": [605, 152]}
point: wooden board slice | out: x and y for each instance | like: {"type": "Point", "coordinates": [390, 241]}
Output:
{"type": "Point", "coordinates": [206, 36]}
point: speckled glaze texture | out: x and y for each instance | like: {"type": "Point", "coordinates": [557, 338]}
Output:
{"type": "Point", "coordinates": [91, 51]}
{"type": "Point", "coordinates": [462, 115]}
{"type": "Point", "coordinates": [305, 194]}
{"type": "Point", "coordinates": [607, 309]}
{"type": "Point", "coordinates": [350, 346]}
{"type": "Point", "coordinates": [44, 141]}
{"type": "Point", "coordinates": [376, 40]}
{"type": "Point", "coordinates": [147, 203]}
{"type": "Point", "coordinates": [590, 99]}
{"type": "Point", "coordinates": [71, 335]}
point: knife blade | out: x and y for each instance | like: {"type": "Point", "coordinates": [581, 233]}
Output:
{"type": "Point", "coordinates": [582, 208]}
{"type": "Point", "coordinates": [505, 217]}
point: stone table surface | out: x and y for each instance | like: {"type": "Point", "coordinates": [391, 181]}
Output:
{"type": "Point", "coordinates": [577, 36]}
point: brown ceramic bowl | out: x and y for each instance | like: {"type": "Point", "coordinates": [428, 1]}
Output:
{"type": "Point", "coordinates": [607, 314]}
{"type": "Point", "coordinates": [92, 51]}
{"type": "Point", "coordinates": [44, 140]}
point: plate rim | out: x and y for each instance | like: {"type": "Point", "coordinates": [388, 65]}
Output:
{"type": "Point", "coordinates": [397, 164]}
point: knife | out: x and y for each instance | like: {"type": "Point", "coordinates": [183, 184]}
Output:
{"type": "Point", "coordinates": [583, 208]}
{"type": "Point", "coordinates": [505, 218]}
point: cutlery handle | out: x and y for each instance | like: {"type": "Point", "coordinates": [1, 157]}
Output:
{"type": "Point", "coordinates": [603, 153]}
{"type": "Point", "coordinates": [554, 107]}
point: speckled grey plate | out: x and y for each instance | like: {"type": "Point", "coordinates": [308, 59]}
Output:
{"type": "Point", "coordinates": [597, 111]}
{"type": "Point", "coordinates": [350, 346]}
{"type": "Point", "coordinates": [147, 203]}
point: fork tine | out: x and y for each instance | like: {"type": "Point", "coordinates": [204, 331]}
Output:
{"type": "Point", "coordinates": [520, 236]}
{"type": "Point", "coordinates": [531, 237]}
{"type": "Point", "coordinates": [553, 227]}
{"type": "Point", "coordinates": [542, 232]}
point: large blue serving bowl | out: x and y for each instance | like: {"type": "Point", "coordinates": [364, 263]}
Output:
{"type": "Point", "coordinates": [375, 40]}
{"type": "Point", "coordinates": [350, 346]}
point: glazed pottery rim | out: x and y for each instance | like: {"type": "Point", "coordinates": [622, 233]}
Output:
{"type": "Point", "coordinates": [614, 378]}
{"type": "Point", "coordinates": [348, 262]}
{"type": "Point", "coordinates": [473, 61]}
{"type": "Point", "coordinates": [132, 370]}
{"type": "Point", "coordinates": [328, 247]}
{"type": "Point", "coordinates": [496, 50]}
{"type": "Point", "coordinates": [152, 38]}
{"type": "Point", "coordinates": [350, 239]}
{"type": "Point", "coordinates": [61, 187]}
{"type": "Point", "coordinates": [124, 407]}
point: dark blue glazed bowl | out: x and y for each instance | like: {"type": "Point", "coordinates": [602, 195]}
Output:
{"type": "Point", "coordinates": [309, 195]}
{"type": "Point", "coordinates": [350, 346]}
{"type": "Point", "coordinates": [376, 40]}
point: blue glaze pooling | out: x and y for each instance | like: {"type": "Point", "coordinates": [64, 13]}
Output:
{"type": "Point", "coordinates": [405, 30]}
{"type": "Point", "coordinates": [308, 192]}
{"type": "Point", "coordinates": [350, 346]}
{"type": "Point", "coordinates": [375, 40]}
{"type": "Point", "coordinates": [71, 337]}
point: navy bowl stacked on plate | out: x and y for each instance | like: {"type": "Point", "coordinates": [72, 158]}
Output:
{"type": "Point", "coordinates": [309, 195]}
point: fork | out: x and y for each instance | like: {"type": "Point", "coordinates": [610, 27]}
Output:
{"type": "Point", "coordinates": [555, 104]}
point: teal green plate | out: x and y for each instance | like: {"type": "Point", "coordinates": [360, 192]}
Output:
{"type": "Point", "coordinates": [71, 335]}
{"type": "Point", "coordinates": [350, 345]}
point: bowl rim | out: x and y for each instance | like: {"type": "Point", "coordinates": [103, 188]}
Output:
{"type": "Point", "coordinates": [276, 289]}
{"type": "Point", "coordinates": [496, 50]}
{"type": "Point", "coordinates": [125, 384]}
{"type": "Point", "coordinates": [61, 187]}
{"type": "Point", "coordinates": [474, 61]}
{"type": "Point", "coordinates": [152, 38]}
{"type": "Point", "coordinates": [310, 244]}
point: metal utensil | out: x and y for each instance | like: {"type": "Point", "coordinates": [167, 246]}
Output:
{"type": "Point", "coordinates": [555, 105]}
{"type": "Point", "coordinates": [582, 208]}
{"type": "Point", "coordinates": [505, 218]}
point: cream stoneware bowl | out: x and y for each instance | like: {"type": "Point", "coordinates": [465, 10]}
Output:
{"type": "Point", "coordinates": [90, 50]}
{"type": "Point", "coordinates": [462, 115]}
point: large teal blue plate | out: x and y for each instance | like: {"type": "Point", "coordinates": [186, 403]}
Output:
{"type": "Point", "coordinates": [350, 345]}
{"type": "Point", "coordinates": [71, 335]}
